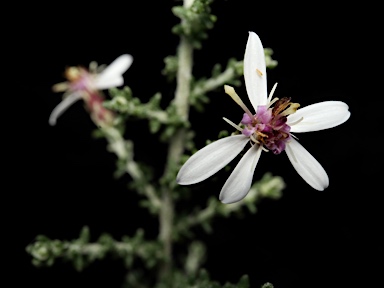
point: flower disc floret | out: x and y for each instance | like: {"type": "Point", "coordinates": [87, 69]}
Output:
{"type": "Point", "coordinates": [269, 125]}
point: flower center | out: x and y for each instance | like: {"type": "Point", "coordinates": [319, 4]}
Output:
{"type": "Point", "coordinates": [268, 126]}
{"type": "Point", "coordinates": [79, 78]}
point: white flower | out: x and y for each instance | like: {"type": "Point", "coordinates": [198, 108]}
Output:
{"type": "Point", "coordinates": [269, 129]}
{"type": "Point", "coordinates": [84, 84]}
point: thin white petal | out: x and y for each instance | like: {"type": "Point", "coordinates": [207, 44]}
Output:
{"type": "Point", "coordinates": [110, 82]}
{"type": "Point", "coordinates": [255, 74]}
{"type": "Point", "coordinates": [111, 76]}
{"type": "Point", "coordinates": [307, 166]}
{"type": "Point", "coordinates": [210, 159]}
{"type": "Point", "coordinates": [239, 182]}
{"type": "Point", "coordinates": [319, 116]}
{"type": "Point", "coordinates": [62, 106]}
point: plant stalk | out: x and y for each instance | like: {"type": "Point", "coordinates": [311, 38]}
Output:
{"type": "Point", "coordinates": [176, 148]}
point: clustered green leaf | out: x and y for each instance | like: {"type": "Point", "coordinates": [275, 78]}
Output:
{"type": "Point", "coordinates": [81, 252]}
{"type": "Point", "coordinates": [195, 21]}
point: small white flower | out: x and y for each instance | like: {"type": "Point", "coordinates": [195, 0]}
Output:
{"type": "Point", "coordinates": [269, 129]}
{"type": "Point", "coordinates": [84, 84]}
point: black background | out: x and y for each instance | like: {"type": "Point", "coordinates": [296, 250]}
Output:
{"type": "Point", "coordinates": [306, 239]}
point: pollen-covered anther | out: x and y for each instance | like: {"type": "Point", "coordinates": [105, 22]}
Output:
{"type": "Point", "coordinates": [262, 135]}
{"type": "Point", "coordinates": [272, 102]}
{"type": "Point", "coordinates": [291, 109]}
{"type": "Point", "coordinates": [280, 105]}
{"type": "Point", "coordinates": [72, 73]}
{"type": "Point", "coordinates": [255, 140]}
{"type": "Point", "coordinates": [231, 92]}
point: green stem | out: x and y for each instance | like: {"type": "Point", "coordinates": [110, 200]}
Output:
{"type": "Point", "coordinates": [184, 76]}
{"type": "Point", "coordinates": [176, 148]}
{"type": "Point", "coordinates": [213, 83]}
{"type": "Point", "coordinates": [124, 150]}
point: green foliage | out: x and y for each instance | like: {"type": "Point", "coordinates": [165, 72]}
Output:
{"type": "Point", "coordinates": [222, 134]}
{"type": "Point", "coordinates": [171, 67]}
{"type": "Point", "coordinates": [202, 280]}
{"type": "Point", "coordinates": [268, 186]}
{"type": "Point", "coordinates": [198, 97]}
{"type": "Point", "coordinates": [269, 62]}
{"type": "Point", "coordinates": [44, 251]}
{"type": "Point", "coordinates": [195, 21]}
{"type": "Point", "coordinates": [81, 252]}
{"type": "Point", "coordinates": [127, 106]}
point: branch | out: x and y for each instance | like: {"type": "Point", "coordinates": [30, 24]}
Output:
{"type": "Point", "coordinates": [267, 187]}
{"type": "Point", "coordinates": [82, 253]}
{"type": "Point", "coordinates": [124, 151]}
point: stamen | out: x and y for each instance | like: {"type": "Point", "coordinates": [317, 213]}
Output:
{"type": "Point", "coordinates": [233, 124]}
{"type": "Point", "coordinates": [273, 101]}
{"type": "Point", "coordinates": [259, 143]}
{"type": "Point", "coordinates": [294, 136]}
{"type": "Point", "coordinates": [291, 109]}
{"type": "Point", "coordinates": [261, 134]}
{"type": "Point", "coordinates": [280, 106]}
{"type": "Point", "coordinates": [240, 129]}
{"type": "Point", "coordinates": [254, 139]}
{"type": "Point", "coordinates": [259, 72]}
{"type": "Point", "coordinates": [73, 73]}
{"type": "Point", "coordinates": [296, 122]}
{"type": "Point", "coordinates": [60, 87]}
{"type": "Point", "coordinates": [264, 149]}
{"type": "Point", "coordinates": [231, 92]}
{"type": "Point", "coordinates": [272, 91]}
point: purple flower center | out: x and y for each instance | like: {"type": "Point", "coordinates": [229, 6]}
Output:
{"type": "Point", "coordinates": [79, 78]}
{"type": "Point", "coordinates": [268, 126]}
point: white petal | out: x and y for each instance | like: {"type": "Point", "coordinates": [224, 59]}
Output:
{"type": "Point", "coordinates": [210, 159]}
{"type": "Point", "coordinates": [111, 76]}
{"type": "Point", "coordinates": [319, 116]}
{"type": "Point", "coordinates": [306, 165]}
{"type": "Point", "coordinates": [239, 182]}
{"type": "Point", "coordinates": [255, 74]}
{"type": "Point", "coordinates": [62, 106]}
{"type": "Point", "coordinates": [110, 82]}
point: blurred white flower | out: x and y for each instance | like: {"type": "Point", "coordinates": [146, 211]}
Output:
{"type": "Point", "coordinates": [86, 85]}
{"type": "Point", "coordinates": [269, 129]}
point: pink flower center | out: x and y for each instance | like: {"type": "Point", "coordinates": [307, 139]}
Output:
{"type": "Point", "coordinates": [80, 79]}
{"type": "Point", "coordinates": [268, 126]}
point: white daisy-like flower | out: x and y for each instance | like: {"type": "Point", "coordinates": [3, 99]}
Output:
{"type": "Point", "coordinates": [86, 84]}
{"type": "Point", "coordinates": [270, 129]}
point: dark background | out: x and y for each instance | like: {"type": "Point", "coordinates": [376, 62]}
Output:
{"type": "Point", "coordinates": [306, 239]}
